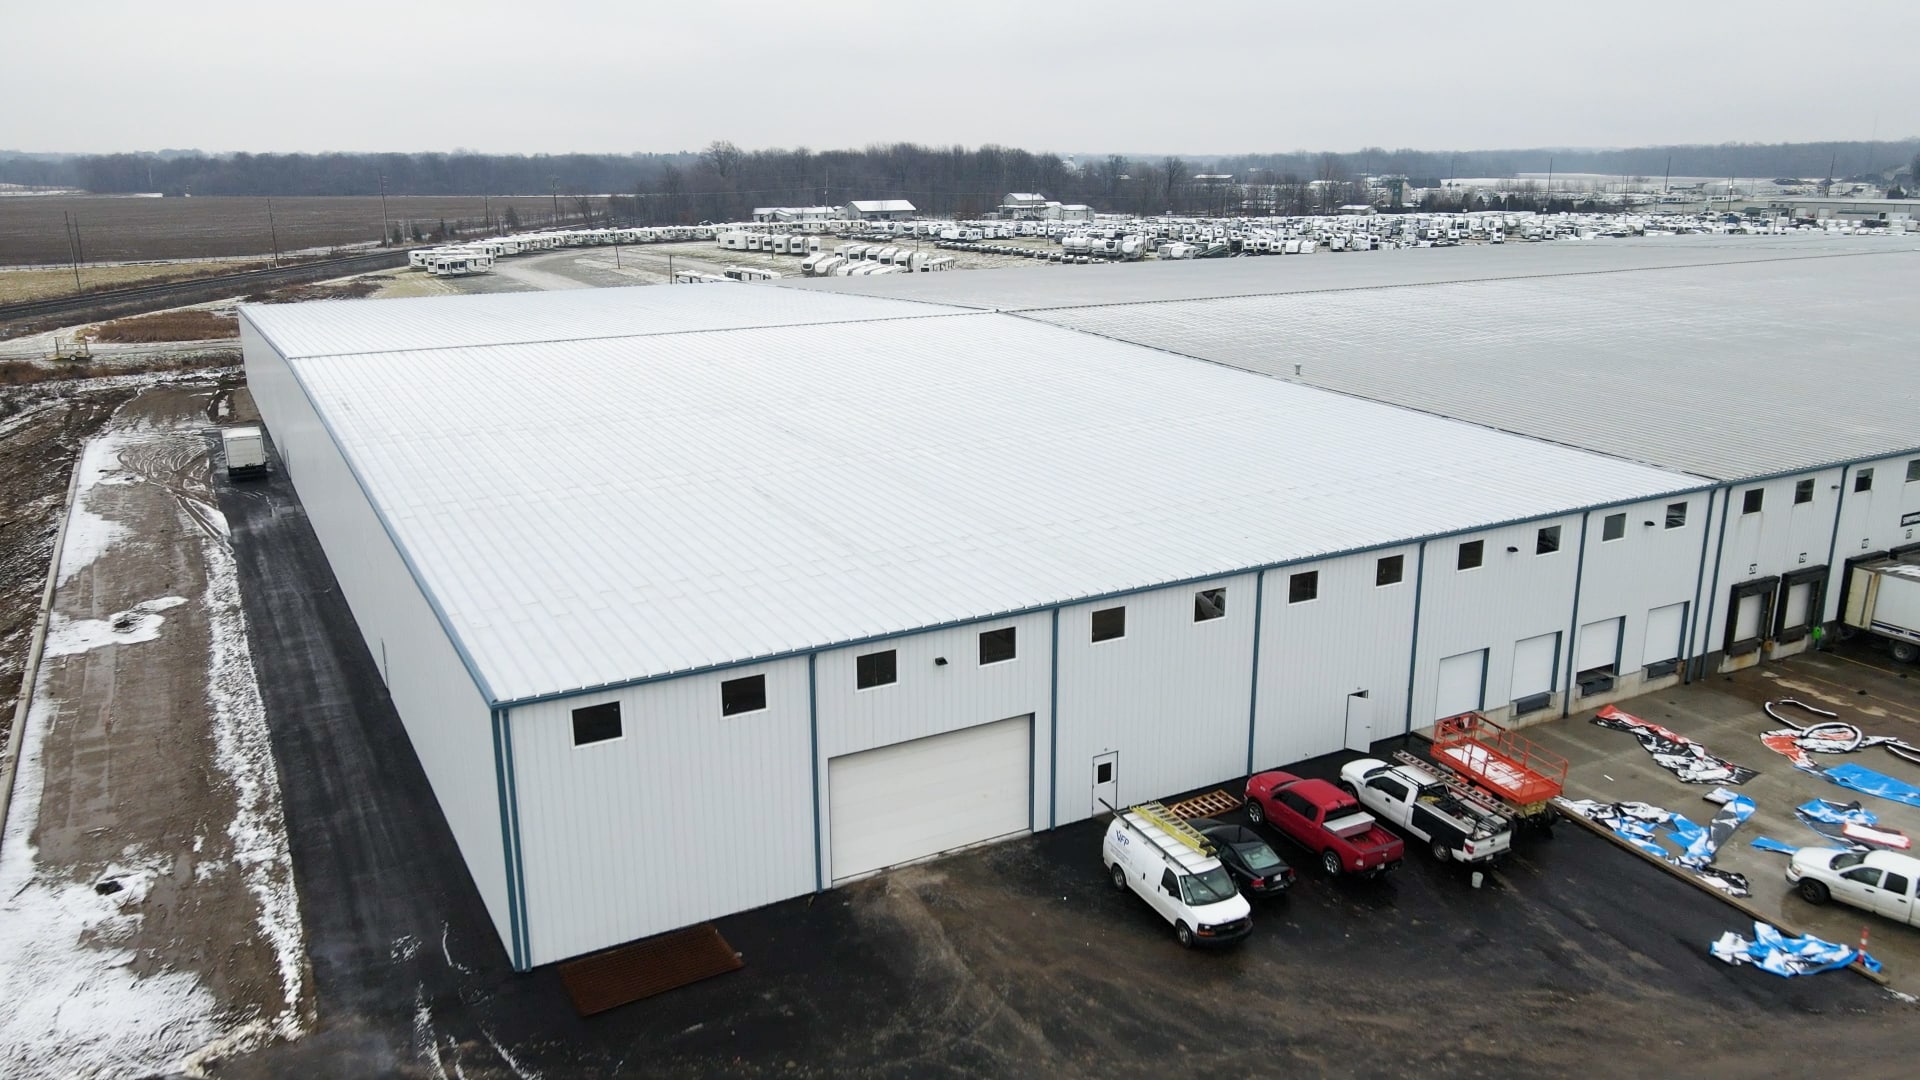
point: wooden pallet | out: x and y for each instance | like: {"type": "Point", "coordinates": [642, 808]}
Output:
{"type": "Point", "coordinates": [1212, 804]}
{"type": "Point", "coordinates": [645, 968]}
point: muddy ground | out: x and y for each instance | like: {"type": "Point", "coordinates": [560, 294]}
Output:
{"type": "Point", "coordinates": [149, 896]}
{"type": "Point", "coordinates": [41, 429]}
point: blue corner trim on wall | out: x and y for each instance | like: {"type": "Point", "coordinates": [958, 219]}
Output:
{"type": "Point", "coordinates": [1719, 550]}
{"type": "Point", "coordinates": [1053, 728]}
{"type": "Point", "coordinates": [1833, 550]}
{"type": "Point", "coordinates": [813, 738]}
{"type": "Point", "coordinates": [1699, 583]}
{"type": "Point", "coordinates": [1253, 688]}
{"type": "Point", "coordinates": [506, 840]}
{"type": "Point", "coordinates": [1573, 626]}
{"type": "Point", "coordinates": [1413, 647]}
{"type": "Point", "coordinates": [519, 853]}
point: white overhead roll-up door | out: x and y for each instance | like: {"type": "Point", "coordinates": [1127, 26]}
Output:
{"type": "Point", "coordinates": [1798, 599]}
{"type": "Point", "coordinates": [913, 799]}
{"type": "Point", "coordinates": [1599, 645]}
{"type": "Point", "coordinates": [1664, 627]}
{"type": "Point", "coordinates": [1533, 665]}
{"type": "Point", "coordinates": [1746, 618]}
{"type": "Point", "coordinates": [1462, 678]}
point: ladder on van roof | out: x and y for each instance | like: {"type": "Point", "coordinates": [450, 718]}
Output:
{"type": "Point", "coordinates": [1174, 826]}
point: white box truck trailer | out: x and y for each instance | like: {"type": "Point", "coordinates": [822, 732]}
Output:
{"type": "Point", "coordinates": [246, 451]}
{"type": "Point", "coordinates": [1883, 598]}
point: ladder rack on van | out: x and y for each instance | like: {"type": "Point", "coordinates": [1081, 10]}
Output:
{"type": "Point", "coordinates": [1167, 822]}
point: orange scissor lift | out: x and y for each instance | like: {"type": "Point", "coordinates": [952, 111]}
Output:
{"type": "Point", "coordinates": [1521, 775]}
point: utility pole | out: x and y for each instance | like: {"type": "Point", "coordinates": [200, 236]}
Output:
{"type": "Point", "coordinates": [1666, 185]}
{"type": "Point", "coordinates": [486, 211]}
{"type": "Point", "coordinates": [670, 277]}
{"type": "Point", "coordinates": [553, 185]}
{"type": "Point", "coordinates": [1549, 183]}
{"type": "Point", "coordinates": [386, 230]}
{"type": "Point", "coordinates": [73, 251]}
{"type": "Point", "coordinates": [273, 232]}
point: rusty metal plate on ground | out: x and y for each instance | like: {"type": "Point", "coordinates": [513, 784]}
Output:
{"type": "Point", "coordinates": [645, 968]}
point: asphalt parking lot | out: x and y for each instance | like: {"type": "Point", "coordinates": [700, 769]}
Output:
{"type": "Point", "coordinates": [1019, 959]}
{"type": "Point", "coordinates": [1724, 713]}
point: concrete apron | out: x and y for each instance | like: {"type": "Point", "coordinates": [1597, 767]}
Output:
{"type": "Point", "coordinates": [1723, 713]}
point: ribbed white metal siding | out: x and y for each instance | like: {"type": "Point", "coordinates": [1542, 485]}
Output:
{"type": "Point", "coordinates": [1510, 597]}
{"type": "Point", "coordinates": [1355, 636]}
{"type": "Point", "coordinates": [447, 720]}
{"type": "Point", "coordinates": [1171, 698]}
{"type": "Point", "coordinates": [1782, 536]}
{"type": "Point", "coordinates": [1650, 566]}
{"type": "Point", "coordinates": [929, 698]}
{"type": "Point", "coordinates": [690, 815]}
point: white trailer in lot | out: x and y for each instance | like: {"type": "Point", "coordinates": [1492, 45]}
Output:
{"type": "Point", "coordinates": [245, 449]}
{"type": "Point", "coordinates": [1883, 598]}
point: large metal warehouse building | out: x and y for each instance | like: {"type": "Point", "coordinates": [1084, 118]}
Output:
{"type": "Point", "coordinates": [869, 578]}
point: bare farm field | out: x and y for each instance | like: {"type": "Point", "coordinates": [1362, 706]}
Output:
{"type": "Point", "coordinates": [33, 231]}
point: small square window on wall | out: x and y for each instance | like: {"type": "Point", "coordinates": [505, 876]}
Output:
{"type": "Point", "coordinates": [1209, 604]}
{"type": "Point", "coordinates": [1750, 502]}
{"type": "Point", "coordinates": [1613, 527]}
{"type": "Point", "coordinates": [1109, 623]}
{"type": "Point", "coordinates": [1389, 570]}
{"type": "Point", "coordinates": [1913, 470]}
{"type": "Point", "coordinates": [1863, 480]}
{"type": "Point", "coordinates": [1303, 586]}
{"type": "Point", "coordinates": [876, 669]}
{"type": "Point", "coordinates": [1471, 553]}
{"type": "Point", "coordinates": [743, 695]}
{"type": "Point", "coordinates": [1548, 540]}
{"type": "Point", "coordinates": [596, 723]}
{"type": "Point", "coordinates": [996, 646]}
{"type": "Point", "coordinates": [1676, 515]}
{"type": "Point", "coordinates": [1803, 491]}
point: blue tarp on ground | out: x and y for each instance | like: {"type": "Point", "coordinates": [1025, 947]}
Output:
{"type": "Point", "coordinates": [1770, 950]}
{"type": "Point", "coordinates": [1862, 779]}
{"type": "Point", "coordinates": [1768, 843]}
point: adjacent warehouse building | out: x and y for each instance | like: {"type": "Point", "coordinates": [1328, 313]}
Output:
{"type": "Point", "coordinates": [873, 578]}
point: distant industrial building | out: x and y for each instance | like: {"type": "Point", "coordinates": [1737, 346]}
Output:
{"type": "Point", "coordinates": [1816, 208]}
{"type": "Point", "coordinates": [777, 214]}
{"type": "Point", "coordinates": [880, 210]}
{"type": "Point", "coordinates": [810, 566]}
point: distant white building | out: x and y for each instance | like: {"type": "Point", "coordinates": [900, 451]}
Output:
{"type": "Point", "coordinates": [795, 213]}
{"type": "Point", "coordinates": [880, 210]}
{"type": "Point", "coordinates": [1026, 205]}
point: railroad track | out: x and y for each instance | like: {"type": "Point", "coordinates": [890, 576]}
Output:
{"type": "Point", "coordinates": [25, 316]}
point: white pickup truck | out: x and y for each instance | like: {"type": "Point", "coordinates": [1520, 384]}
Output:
{"type": "Point", "coordinates": [1172, 867]}
{"type": "Point", "coordinates": [1420, 804]}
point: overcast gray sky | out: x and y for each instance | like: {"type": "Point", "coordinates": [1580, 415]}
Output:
{"type": "Point", "coordinates": [1121, 75]}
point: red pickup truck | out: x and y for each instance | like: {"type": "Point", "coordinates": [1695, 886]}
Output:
{"type": "Point", "coordinates": [1325, 820]}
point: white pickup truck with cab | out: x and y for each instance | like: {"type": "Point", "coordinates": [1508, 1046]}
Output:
{"type": "Point", "coordinates": [1451, 822]}
{"type": "Point", "coordinates": [1883, 882]}
{"type": "Point", "coordinates": [1172, 867]}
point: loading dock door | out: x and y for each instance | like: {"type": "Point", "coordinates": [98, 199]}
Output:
{"type": "Point", "coordinates": [1803, 596]}
{"type": "Point", "coordinates": [1599, 646]}
{"type": "Point", "coordinates": [1750, 603]}
{"type": "Point", "coordinates": [1533, 666]}
{"type": "Point", "coordinates": [1463, 679]}
{"type": "Point", "coordinates": [913, 799]}
{"type": "Point", "coordinates": [1665, 625]}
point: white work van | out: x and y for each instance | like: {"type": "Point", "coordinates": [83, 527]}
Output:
{"type": "Point", "coordinates": [1172, 867]}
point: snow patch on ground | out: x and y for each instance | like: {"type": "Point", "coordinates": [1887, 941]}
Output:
{"type": "Point", "coordinates": [138, 623]}
{"type": "Point", "coordinates": [243, 750]}
{"type": "Point", "coordinates": [88, 534]}
{"type": "Point", "coordinates": [86, 1015]}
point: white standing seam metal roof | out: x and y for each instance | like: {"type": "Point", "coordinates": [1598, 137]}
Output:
{"type": "Point", "coordinates": [1726, 371]}
{"type": "Point", "coordinates": [1028, 288]}
{"type": "Point", "coordinates": [328, 327]}
{"type": "Point", "coordinates": [644, 505]}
